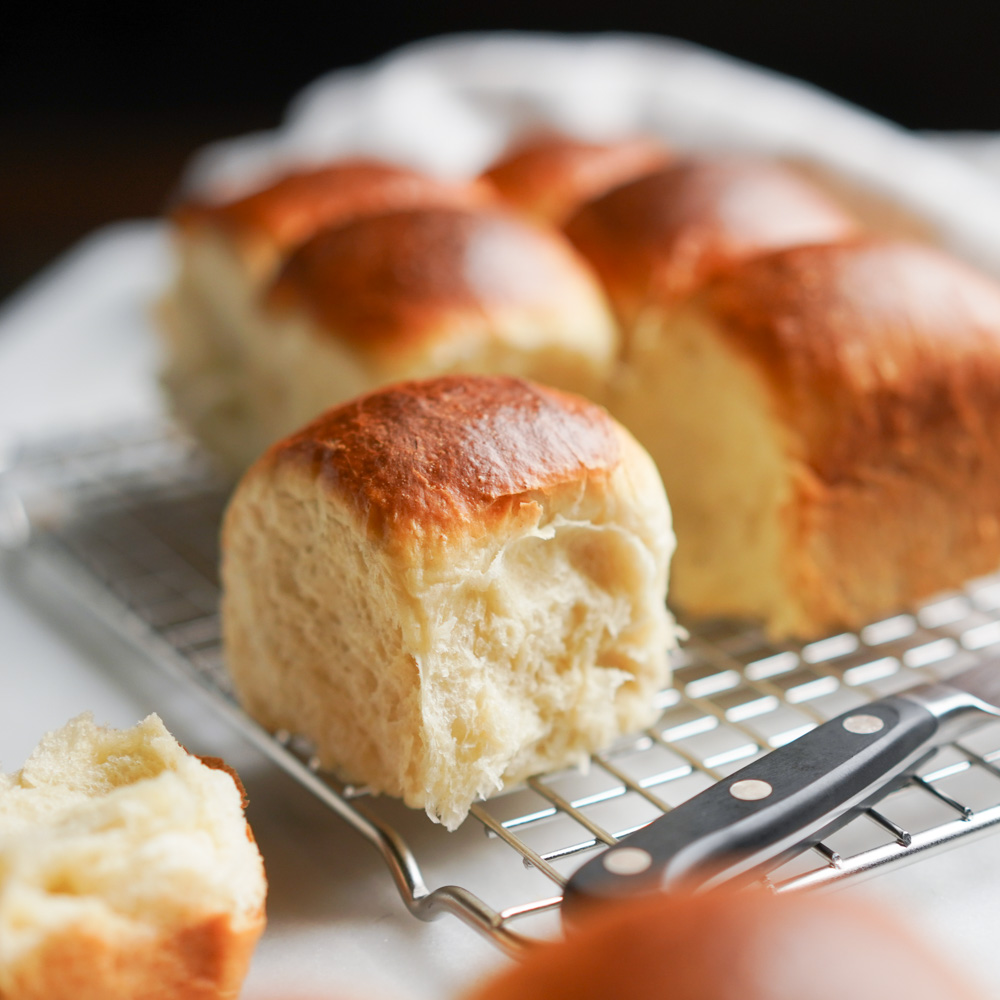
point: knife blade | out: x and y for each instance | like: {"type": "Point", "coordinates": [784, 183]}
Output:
{"type": "Point", "coordinates": [795, 795]}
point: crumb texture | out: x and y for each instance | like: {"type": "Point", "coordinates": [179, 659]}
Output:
{"type": "Point", "coordinates": [126, 869]}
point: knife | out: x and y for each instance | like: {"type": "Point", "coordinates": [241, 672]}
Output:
{"type": "Point", "coordinates": [795, 795]}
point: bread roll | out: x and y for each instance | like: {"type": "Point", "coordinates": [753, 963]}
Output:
{"type": "Point", "coordinates": [229, 251]}
{"type": "Point", "coordinates": [414, 294]}
{"type": "Point", "coordinates": [450, 585]}
{"type": "Point", "coordinates": [656, 240]}
{"type": "Point", "coordinates": [733, 946]}
{"type": "Point", "coordinates": [549, 177]}
{"type": "Point", "coordinates": [127, 870]}
{"type": "Point", "coordinates": [824, 421]}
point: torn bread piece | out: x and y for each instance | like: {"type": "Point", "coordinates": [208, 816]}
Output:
{"type": "Point", "coordinates": [449, 585]}
{"type": "Point", "coordinates": [127, 869]}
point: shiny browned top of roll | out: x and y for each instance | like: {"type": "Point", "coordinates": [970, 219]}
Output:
{"type": "Point", "coordinates": [549, 177]}
{"type": "Point", "coordinates": [885, 354]}
{"type": "Point", "coordinates": [394, 281]}
{"type": "Point", "coordinates": [452, 449]}
{"type": "Point", "coordinates": [294, 207]}
{"type": "Point", "coordinates": [655, 240]}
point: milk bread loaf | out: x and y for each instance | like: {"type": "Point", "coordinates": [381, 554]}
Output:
{"type": "Point", "coordinates": [127, 870]}
{"type": "Point", "coordinates": [468, 286]}
{"type": "Point", "coordinates": [449, 585]}
{"type": "Point", "coordinates": [823, 418]}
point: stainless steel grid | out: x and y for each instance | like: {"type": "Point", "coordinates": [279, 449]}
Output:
{"type": "Point", "coordinates": [127, 523]}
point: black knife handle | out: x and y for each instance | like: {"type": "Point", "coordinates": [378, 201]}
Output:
{"type": "Point", "coordinates": [806, 789]}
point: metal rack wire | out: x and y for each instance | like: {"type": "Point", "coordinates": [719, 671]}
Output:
{"type": "Point", "coordinates": [127, 523]}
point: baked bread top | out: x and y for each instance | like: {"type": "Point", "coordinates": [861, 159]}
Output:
{"type": "Point", "coordinates": [393, 283]}
{"type": "Point", "coordinates": [454, 452]}
{"type": "Point", "coordinates": [657, 239]}
{"type": "Point", "coordinates": [876, 350]}
{"type": "Point", "coordinates": [550, 176]}
{"type": "Point", "coordinates": [272, 220]}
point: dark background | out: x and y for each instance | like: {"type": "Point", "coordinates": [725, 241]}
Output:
{"type": "Point", "coordinates": [99, 110]}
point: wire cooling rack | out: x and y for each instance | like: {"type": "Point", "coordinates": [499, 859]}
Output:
{"type": "Point", "coordinates": [127, 522]}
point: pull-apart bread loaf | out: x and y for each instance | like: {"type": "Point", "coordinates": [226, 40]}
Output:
{"type": "Point", "coordinates": [127, 870]}
{"type": "Point", "coordinates": [550, 176]}
{"type": "Point", "coordinates": [450, 585]}
{"type": "Point", "coordinates": [824, 419]}
{"type": "Point", "coordinates": [656, 240]}
{"type": "Point", "coordinates": [228, 252]}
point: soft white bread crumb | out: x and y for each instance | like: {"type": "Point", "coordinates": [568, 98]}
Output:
{"type": "Point", "coordinates": [450, 585]}
{"type": "Point", "coordinates": [127, 870]}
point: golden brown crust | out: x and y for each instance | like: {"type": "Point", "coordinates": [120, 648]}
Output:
{"type": "Point", "coordinates": [218, 764]}
{"type": "Point", "coordinates": [657, 239]}
{"type": "Point", "coordinates": [549, 177]}
{"type": "Point", "coordinates": [876, 348]}
{"type": "Point", "coordinates": [288, 211]}
{"type": "Point", "coordinates": [397, 280]}
{"type": "Point", "coordinates": [884, 361]}
{"type": "Point", "coordinates": [444, 451]}
{"type": "Point", "coordinates": [204, 961]}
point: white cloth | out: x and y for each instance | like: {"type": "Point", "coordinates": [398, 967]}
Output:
{"type": "Point", "coordinates": [77, 350]}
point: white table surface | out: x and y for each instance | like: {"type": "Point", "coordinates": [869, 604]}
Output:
{"type": "Point", "coordinates": [77, 349]}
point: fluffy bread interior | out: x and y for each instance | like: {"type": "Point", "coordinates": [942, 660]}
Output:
{"type": "Point", "coordinates": [442, 674]}
{"type": "Point", "coordinates": [706, 417]}
{"type": "Point", "coordinates": [122, 839]}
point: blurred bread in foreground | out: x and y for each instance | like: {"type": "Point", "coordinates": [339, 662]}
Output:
{"type": "Point", "coordinates": [450, 585]}
{"type": "Point", "coordinates": [127, 870]}
{"type": "Point", "coordinates": [823, 418]}
{"type": "Point", "coordinates": [733, 946]}
{"type": "Point", "coordinates": [548, 177]}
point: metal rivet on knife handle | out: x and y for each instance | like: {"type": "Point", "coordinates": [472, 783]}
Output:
{"type": "Point", "coordinates": [627, 861]}
{"type": "Point", "coordinates": [863, 725]}
{"type": "Point", "coordinates": [750, 789]}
